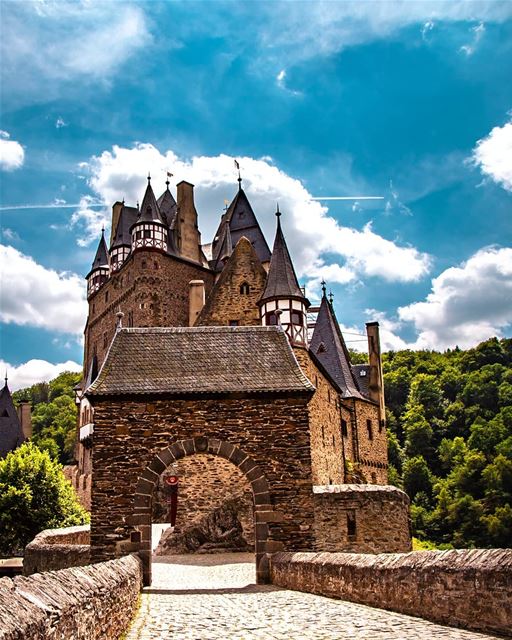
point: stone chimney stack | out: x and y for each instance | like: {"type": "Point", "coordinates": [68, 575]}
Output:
{"type": "Point", "coordinates": [376, 383]}
{"type": "Point", "coordinates": [188, 237]}
{"type": "Point", "coordinates": [196, 300]}
{"type": "Point", "coordinates": [116, 213]}
{"type": "Point", "coordinates": [25, 417]}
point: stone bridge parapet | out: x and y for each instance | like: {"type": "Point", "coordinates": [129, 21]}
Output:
{"type": "Point", "coordinates": [468, 588]}
{"type": "Point", "coordinates": [91, 603]}
{"type": "Point", "coordinates": [54, 549]}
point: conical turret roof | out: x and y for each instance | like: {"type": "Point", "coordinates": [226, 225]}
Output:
{"type": "Point", "coordinates": [149, 210]}
{"type": "Point", "coordinates": [101, 257]}
{"type": "Point", "coordinates": [127, 218]}
{"type": "Point", "coordinates": [281, 281]}
{"type": "Point", "coordinates": [328, 346]}
{"type": "Point", "coordinates": [241, 221]}
{"type": "Point", "coordinates": [11, 433]}
{"type": "Point", "coordinates": [168, 207]}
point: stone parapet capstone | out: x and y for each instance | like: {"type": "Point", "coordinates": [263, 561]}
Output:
{"type": "Point", "coordinates": [468, 588]}
{"type": "Point", "coordinates": [54, 549]}
{"type": "Point", "coordinates": [96, 602]}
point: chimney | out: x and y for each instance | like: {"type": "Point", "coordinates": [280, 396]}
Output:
{"type": "Point", "coordinates": [376, 383]}
{"type": "Point", "coordinates": [188, 237]}
{"type": "Point", "coordinates": [25, 417]}
{"type": "Point", "coordinates": [116, 213]}
{"type": "Point", "coordinates": [196, 300]}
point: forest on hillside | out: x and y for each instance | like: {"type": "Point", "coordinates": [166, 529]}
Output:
{"type": "Point", "coordinates": [449, 419]}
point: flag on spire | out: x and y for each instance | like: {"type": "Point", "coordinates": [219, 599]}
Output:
{"type": "Point", "coordinates": [237, 165]}
{"type": "Point", "coordinates": [169, 174]}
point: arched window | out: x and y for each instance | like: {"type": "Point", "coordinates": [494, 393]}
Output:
{"type": "Point", "coordinates": [245, 289]}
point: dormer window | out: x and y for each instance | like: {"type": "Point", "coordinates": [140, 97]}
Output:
{"type": "Point", "coordinates": [321, 348]}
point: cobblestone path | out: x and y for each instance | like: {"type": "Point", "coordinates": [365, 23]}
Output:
{"type": "Point", "coordinates": [213, 597]}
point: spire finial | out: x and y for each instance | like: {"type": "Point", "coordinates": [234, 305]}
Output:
{"type": "Point", "coordinates": [149, 177]}
{"type": "Point", "coordinates": [323, 288]}
{"type": "Point", "coordinates": [123, 201]}
{"type": "Point", "coordinates": [102, 229]}
{"type": "Point", "coordinates": [278, 213]}
{"type": "Point", "coordinates": [6, 377]}
{"type": "Point", "coordinates": [237, 165]}
{"type": "Point", "coordinates": [119, 316]}
{"type": "Point", "coordinates": [331, 297]}
{"type": "Point", "coordinates": [137, 205]}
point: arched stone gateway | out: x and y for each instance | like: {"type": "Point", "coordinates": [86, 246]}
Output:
{"type": "Point", "coordinates": [147, 481]}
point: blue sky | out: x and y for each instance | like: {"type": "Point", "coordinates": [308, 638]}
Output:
{"type": "Point", "coordinates": [410, 101]}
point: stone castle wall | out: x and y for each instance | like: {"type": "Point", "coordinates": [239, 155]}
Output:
{"type": "Point", "coordinates": [91, 603]}
{"type": "Point", "coordinates": [54, 549]}
{"type": "Point", "coordinates": [362, 518]}
{"type": "Point", "coordinates": [326, 443]}
{"type": "Point", "coordinates": [81, 483]}
{"type": "Point", "coordinates": [273, 431]}
{"type": "Point", "coordinates": [466, 588]}
{"type": "Point", "coordinates": [205, 483]}
{"type": "Point", "coordinates": [228, 302]}
{"type": "Point", "coordinates": [372, 451]}
{"type": "Point", "coordinates": [151, 290]}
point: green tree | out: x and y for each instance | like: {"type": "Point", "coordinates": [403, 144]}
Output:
{"type": "Point", "coordinates": [417, 477]}
{"type": "Point", "coordinates": [34, 495]}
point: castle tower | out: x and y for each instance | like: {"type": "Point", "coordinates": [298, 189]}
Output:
{"type": "Point", "coordinates": [149, 231]}
{"type": "Point", "coordinates": [98, 274]}
{"type": "Point", "coordinates": [283, 301]}
{"type": "Point", "coordinates": [11, 433]}
{"type": "Point", "coordinates": [328, 346]}
{"type": "Point", "coordinates": [121, 240]}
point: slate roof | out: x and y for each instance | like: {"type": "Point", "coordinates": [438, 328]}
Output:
{"type": "Point", "coordinates": [199, 360]}
{"type": "Point", "coordinates": [168, 207]}
{"type": "Point", "coordinates": [149, 211]}
{"type": "Point", "coordinates": [101, 258]}
{"type": "Point", "coordinates": [11, 433]}
{"type": "Point", "coordinates": [281, 281]}
{"type": "Point", "coordinates": [362, 376]}
{"type": "Point", "coordinates": [241, 221]}
{"type": "Point", "coordinates": [127, 219]}
{"type": "Point", "coordinates": [328, 346]}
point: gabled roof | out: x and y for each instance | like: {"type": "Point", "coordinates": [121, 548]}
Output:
{"type": "Point", "coordinates": [328, 346]}
{"type": "Point", "coordinates": [11, 433]}
{"type": "Point", "coordinates": [168, 207]}
{"type": "Point", "coordinates": [101, 257]}
{"type": "Point", "coordinates": [199, 360]}
{"type": "Point", "coordinates": [242, 221]}
{"type": "Point", "coordinates": [149, 211]}
{"type": "Point", "coordinates": [127, 218]}
{"type": "Point", "coordinates": [281, 281]}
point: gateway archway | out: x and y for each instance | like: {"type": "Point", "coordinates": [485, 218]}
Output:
{"type": "Point", "coordinates": [147, 481]}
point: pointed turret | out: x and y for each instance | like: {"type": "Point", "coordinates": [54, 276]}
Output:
{"type": "Point", "coordinates": [328, 346]}
{"type": "Point", "coordinates": [121, 238]}
{"type": "Point", "coordinates": [98, 274]}
{"type": "Point", "coordinates": [11, 433]}
{"type": "Point", "coordinates": [149, 231]}
{"type": "Point", "coordinates": [283, 301]}
{"type": "Point", "coordinates": [168, 207]}
{"type": "Point", "coordinates": [241, 221]}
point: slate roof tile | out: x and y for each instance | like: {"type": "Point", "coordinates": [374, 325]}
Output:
{"type": "Point", "coordinates": [205, 360]}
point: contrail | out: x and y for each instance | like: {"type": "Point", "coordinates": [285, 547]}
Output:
{"type": "Point", "coordinates": [347, 198]}
{"type": "Point", "coordinates": [46, 206]}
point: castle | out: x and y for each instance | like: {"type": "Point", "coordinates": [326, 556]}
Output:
{"type": "Point", "coordinates": [200, 359]}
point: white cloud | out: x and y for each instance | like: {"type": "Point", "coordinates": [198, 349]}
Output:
{"type": "Point", "coordinates": [59, 123]}
{"type": "Point", "coordinates": [280, 77]}
{"type": "Point", "coordinates": [318, 242]}
{"type": "Point", "coordinates": [10, 235]}
{"type": "Point", "coordinates": [12, 154]}
{"type": "Point", "coordinates": [308, 29]}
{"type": "Point", "coordinates": [428, 26]}
{"type": "Point", "coordinates": [34, 296]}
{"type": "Point", "coordinates": [467, 304]}
{"type": "Point", "coordinates": [478, 32]}
{"type": "Point", "coordinates": [67, 40]}
{"type": "Point", "coordinates": [33, 371]}
{"type": "Point", "coordinates": [493, 154]}
{"type": "Point", "coordinates": [89, 221]}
